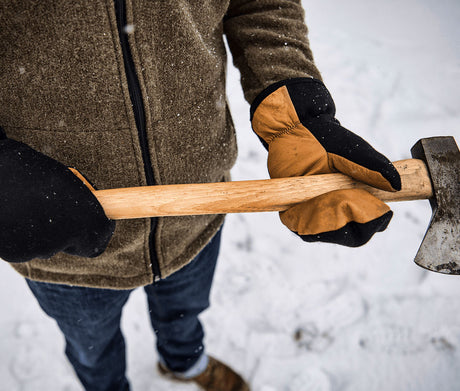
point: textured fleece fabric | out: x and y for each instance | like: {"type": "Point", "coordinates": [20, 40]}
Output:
{"type": "Point", "coordinates": [63, 91]}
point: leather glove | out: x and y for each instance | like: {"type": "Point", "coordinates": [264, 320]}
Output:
{"type": "Point", "coordinates": [45, 208]}
{"type": "Point", "coordinates": [295, 121]}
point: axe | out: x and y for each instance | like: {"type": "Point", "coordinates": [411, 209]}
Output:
{"type": "Point", "coordinates": [433, 174]}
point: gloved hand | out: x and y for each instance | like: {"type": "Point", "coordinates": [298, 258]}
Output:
{"type": "Point", "coordinates": [45, 208]}
{"type": "Point", "coordinates": [295, 121]}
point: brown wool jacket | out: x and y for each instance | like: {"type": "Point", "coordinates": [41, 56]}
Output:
{"type": "Point", "coordinates": [64, 91]}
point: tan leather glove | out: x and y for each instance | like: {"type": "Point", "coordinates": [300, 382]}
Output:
{"type": "Point", "coordinates": [295, 121]}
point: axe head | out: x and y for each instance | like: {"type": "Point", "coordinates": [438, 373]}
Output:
{"type": "Point", "coordinates": [440, 249]}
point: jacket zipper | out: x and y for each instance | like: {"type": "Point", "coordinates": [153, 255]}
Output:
{"type": "Point", "coordinates": [139, 115]}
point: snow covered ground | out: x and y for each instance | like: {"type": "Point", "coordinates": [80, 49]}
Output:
{"type": "Point", "coordinates": [311, 317]}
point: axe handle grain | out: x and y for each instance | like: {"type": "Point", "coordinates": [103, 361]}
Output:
{"type": "Point", "coordinates": [250, 196]}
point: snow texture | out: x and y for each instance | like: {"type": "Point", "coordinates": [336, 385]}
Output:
{"type": "Point", "coordinates": [295, 316]}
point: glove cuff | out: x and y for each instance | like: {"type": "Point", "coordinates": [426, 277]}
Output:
{"type": "Point", "coordinates": [301, 90]}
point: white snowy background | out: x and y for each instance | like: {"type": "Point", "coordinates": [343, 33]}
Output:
{"type": "Point", "coordinates": [306, 317]}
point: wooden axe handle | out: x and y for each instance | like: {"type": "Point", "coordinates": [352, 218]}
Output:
{"type": "Point", "coordinates": [250, 196]}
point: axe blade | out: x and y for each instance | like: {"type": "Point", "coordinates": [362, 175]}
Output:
{"type": "Point", "coordinates": [440, 248]}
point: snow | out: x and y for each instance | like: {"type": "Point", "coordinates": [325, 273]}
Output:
{"type": "Point", "coordinates": [295, 316]}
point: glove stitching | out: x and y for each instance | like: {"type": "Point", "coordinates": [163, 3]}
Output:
{"type": "Point", "coordinates": [282, 132]}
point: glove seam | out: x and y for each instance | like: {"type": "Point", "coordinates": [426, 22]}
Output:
{"type": "Point", "coordinates": [282, 132]}
{"type": "Point", "coordinates": [328, 158]}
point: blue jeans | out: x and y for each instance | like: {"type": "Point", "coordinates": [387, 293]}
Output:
{"type": "Point", "coordinates": [90, 321]}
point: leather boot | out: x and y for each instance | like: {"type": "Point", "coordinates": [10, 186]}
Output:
{"type": "Point", "coordinates": [216, 377]}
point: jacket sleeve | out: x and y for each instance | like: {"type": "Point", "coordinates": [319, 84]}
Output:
{"type": "Point", "coordinates": [268, 41]}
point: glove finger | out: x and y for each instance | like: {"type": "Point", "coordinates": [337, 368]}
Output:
{"type": "Point", "coordinates": [355, 157]}
{"type": "Point", "coordinates": [346, 217]}
{"type": "Point", "coordinates": [301, 143]}
{"type": "Point", "coordinates": [347, 152]}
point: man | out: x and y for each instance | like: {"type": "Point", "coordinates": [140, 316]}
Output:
{"type": "Point", "coordinates": [132, 93]}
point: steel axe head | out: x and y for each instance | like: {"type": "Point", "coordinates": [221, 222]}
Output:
{"type": "Point", "coordinates": [440, 248]}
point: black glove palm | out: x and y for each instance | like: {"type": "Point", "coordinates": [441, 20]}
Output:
{"type": "Point", "coordinates": [45, 208]}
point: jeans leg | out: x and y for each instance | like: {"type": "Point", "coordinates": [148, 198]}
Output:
{"type": "Point", "coordinates": [90, 321]}
{"type": "Point", "coordinates": [175, 303]}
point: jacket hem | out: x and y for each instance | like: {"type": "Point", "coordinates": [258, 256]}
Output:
{"type": "Point", "coordinates": [83, 280]}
